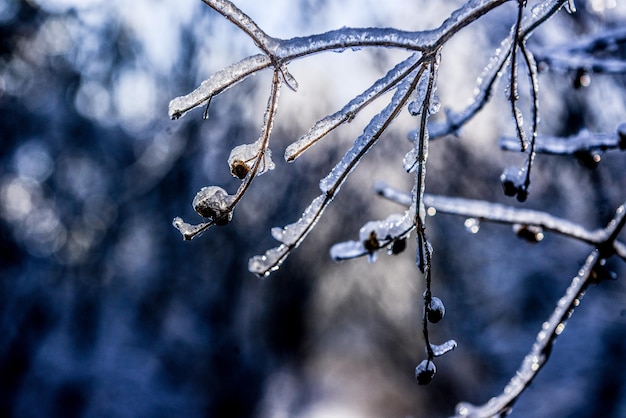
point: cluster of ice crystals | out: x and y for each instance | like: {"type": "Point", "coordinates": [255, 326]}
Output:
{"type": "Point", "coordinates": [213, 202]}
{"type": "Point", "coordinates": [409, 162]}
{"type": "Point", "coordinates": [292, 233]}
{"type": "Point", "coordinates": [247, 155]}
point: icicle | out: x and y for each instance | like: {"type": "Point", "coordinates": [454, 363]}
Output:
{"type": "Point", "coordinates": [243, 157]}
{"type": "Point", "coordinates": [217, 83]}
{"type": "Point", "coordinates": [441, 349]}
{"type": "Point", "coordinates": [290, 234]}
{"type": "Point", "coordinates": [289, 79]}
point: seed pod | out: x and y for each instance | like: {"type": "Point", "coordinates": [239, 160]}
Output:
{"type": "Point", "coordinates": [239, 169]}
{"type": "Point", "coordinates": [435, 310]}
{"type": "Point", "coordinates": [425, 372]}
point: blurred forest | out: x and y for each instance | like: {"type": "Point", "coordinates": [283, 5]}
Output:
{"type": "Point", "coordinates": [106, 312]}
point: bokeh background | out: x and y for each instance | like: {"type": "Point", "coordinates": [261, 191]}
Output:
{"type": "Point", "coordinates": [106, 312]}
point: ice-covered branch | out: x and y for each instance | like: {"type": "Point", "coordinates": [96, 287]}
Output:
{"type": "Point", "coordinates": [492, 72]}
{"type": "Point", "coordinates": [498, 213]}
{"type": "Point", "coordinates": [584, 141]}
{"type": "Point", "coordinates": [595, 54]}
{"type": "Point", "coordinates": [533, 362]}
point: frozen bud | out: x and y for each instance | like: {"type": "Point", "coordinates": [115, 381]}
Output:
{"type": "Point", "coordinates": [435, 310]}
{"type": "Point", "coordinates": [239, 169]}
{"type": "Point", "coordinates": [213, 202]}
{"type": "Point", "coordinates": [530, 233]}
{"type": "Point", "coordinates": [425, 372]}
{"type": "Point", "coordinates": [371, 243]}
{"type": "Point", "coordinates": [513, 183]}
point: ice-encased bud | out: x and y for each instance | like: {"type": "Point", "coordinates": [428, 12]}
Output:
{"type": "Point", "coordinates": [513, 183]}
{"type": "Point", "coordinates": [425, 372]}
{"type": "Point", "coordinates": [242, 157]}
{"type": "Point", "coordinates": [213, 202]}
{"type": "Point", "coordinates": [435, 310]}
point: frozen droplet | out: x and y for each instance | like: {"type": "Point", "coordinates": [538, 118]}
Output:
{"type": "Point", "coordinates": [213, 202]}
{"type": "Point", "coordinates": [472, 225]}
{"type": "Point", "coordinates": [289, 79]}
{"type": "Point", "coordinates": [409, 162]}
{"type": "Point", "coordinates": [441, 349]}
{"type": "Point", "coordinates": [347, 250]}
{"type": "Point", "coordinates": [570, 7]}
{"type": "Point", "coordinates": [415, 108]}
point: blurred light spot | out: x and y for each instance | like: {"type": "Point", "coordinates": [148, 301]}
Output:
{"type": "Point", "coordinates": [135, 98]}
{"type": "Point", "coordinates": [81, 176]}
{"type": "Point", "coordinates": [32, 161]}
{"type": "Point", "coordinates": [18, 198]}
{"type": "Point", "coordinates": [8, 10]}
{"type": "Point", "coordinates": [134, 255]}
{"type": "Point", "coordinates": [431, 211]}
{"type": "Point", "coordinates": [93, 101]}
{"type": "Point", "coordinates": [472, 225]}
{"type": "Point", "coordinates": [600, 6]}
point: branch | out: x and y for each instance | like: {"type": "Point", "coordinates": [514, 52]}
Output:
{"type": "Point", "coordinates": [533, 362]}
{"type": "Point", "coordinates": [498, 213]}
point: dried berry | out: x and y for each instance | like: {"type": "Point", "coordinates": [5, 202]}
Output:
{"type": "Point", "coordinates": [425, 372]}
{"type": "Point", "coordinates": [435, 310]}
{"type": "Point", "coordinates": [397, 246]}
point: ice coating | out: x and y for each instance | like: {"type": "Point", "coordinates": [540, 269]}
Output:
{"type": "Point", "coordinates": [393, 226]}
{"type": "Point", "coordinates": [243, 21]}
{"type": "Point", "coordinates": [290, 237]}
{"type": "Point", "coordinates": [292, 233]}
{"type": "Point", "coordinates": [247, 154]}
{"type": "Point", "coordinates": [409, 162]}
{"type": "Point", "coordinates": [263, 265]}
{"type": "Point", "coordinates": [347, 250]}
{"type": "Point", "coordinates": [217, 83]}
{"type": "Point", "coordinates": [213, 202]}
{"type": "Point", "coordinates": [441, 349]}
{"type": "Point", "coordinates": [331, 183]}
{"type": "Point", "coordinates": [347, 113]}
{"type": "Point", "coordinates": [289, 79]}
